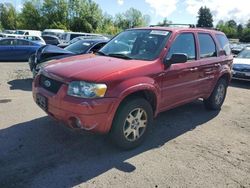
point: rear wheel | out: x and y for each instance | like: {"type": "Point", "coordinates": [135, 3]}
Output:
{"type": "Point", "coordinates": [216, 99]}
{"type": "Point", "coordinates": [131, 123]}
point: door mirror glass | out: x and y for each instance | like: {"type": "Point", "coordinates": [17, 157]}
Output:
{"type": "Point", "coordinates": [176, 58]}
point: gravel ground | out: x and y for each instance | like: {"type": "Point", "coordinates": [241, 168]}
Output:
{"type": "Point", "coordinates": [189, 146]}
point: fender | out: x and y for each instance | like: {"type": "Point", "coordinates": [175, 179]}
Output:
{"type": "Point", "coordinates": [133, 85]}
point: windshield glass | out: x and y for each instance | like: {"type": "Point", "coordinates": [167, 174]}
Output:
{"type": "Point", "coordinates": [137, 44]}
{"type": "Point", "coordinates": [79, 47]}
{"type": "Point", "coordinates": [244, 54]}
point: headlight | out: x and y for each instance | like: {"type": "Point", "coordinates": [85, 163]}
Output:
{"type": "Point", "coordinates": [86, 90]}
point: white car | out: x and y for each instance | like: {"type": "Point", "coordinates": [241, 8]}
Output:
{"type": "Point", "coordinates": [241, 65]}
{"type": "Point", "coordinates": [35, 39]}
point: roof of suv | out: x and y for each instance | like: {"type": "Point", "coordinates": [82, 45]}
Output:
{"type": "Point", "coordinates": [178, 29]}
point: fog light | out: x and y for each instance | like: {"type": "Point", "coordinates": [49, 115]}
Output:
{"type": "Point", "coordinates": [78, 123]}
{"type": "Point", "coordinates": [75, 122]}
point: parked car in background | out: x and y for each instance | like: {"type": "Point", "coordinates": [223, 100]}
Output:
{"type": "Point", "coordinates": [97, 37]}
{"type": "Point", "coordinates": [17, 49]}
{"type": "Point", "coordinates": [67, 36]}
{"type": "Point", "coordinates": [53, 32]}
{"type": "Point", "coordinates": [241, 65]}
{"type": "Point", "coordinates": [28, 32]}
{"type": "Point", "coordinates": [49, 52]}
{"type": "Point", "coordinates": [138, 74]}
{"type": "Point", "coordinates": [36, 39]}
{"type": "Point", "coordinates": [53, 40]}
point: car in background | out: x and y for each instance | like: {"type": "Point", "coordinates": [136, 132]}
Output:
{"type": "Point", "coordinates": [28, 32]}
{"type": "Point", "coordinates": [53, 40]}
{"type": "Point", "coordinates": [64, 45]}
{"type": "Point", "coordinates": [241, 65]}
{"type": "Point", "coordinates": [53, 32]}
{"type": "Point", "coordinates": [68, 36]}
{"type": "Point", "coordinates": [49, 52]}
{"type": "Point", "coordinates": [36, 39]}
{"type": "Point", "coordinates": [12, 49]}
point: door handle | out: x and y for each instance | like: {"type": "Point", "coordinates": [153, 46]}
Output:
{"type": "Point", "coordinates": [217, 65]}
{"type": "Point", "coordinates": [193, 69]}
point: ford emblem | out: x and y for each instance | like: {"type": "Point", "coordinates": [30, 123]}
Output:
{"type": "Point", "coordinates": [47, 83]}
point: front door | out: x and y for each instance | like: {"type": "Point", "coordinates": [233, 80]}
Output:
{"type": "Point", "coordinates": [181, 82]}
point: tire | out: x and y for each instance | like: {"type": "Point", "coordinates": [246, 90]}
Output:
{"type": "Point", "coordinates": [216, 99]}
{"type": "Point", "coordinates": [131, 123]}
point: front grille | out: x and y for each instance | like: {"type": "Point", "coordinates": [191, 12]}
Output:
{"type": "Point", "coordinates": [50, 84]}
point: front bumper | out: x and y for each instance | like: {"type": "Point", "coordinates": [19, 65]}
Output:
{"type": "Point", "coordinates": [240, 75]}
{"type": "Point", "coordinates": [94, 115]}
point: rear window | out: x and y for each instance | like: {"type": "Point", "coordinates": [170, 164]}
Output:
{"type": "Point", "coordinates": [207, 46]}
{"type": "Point", "coordinates": [224, 43]}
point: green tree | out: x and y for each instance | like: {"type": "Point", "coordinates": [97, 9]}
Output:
{"type": "Point", "coordinates": [205, 17]}
{"type": "Point", "coordinates": [131, 18]}
{"type": "Point", "coordinates": [232, 24]}
{"type": "Point", "coordinates": [85, 15]}
{"type": "Point", "coordinates": [54, 13]}
{"type": "Point", "coordinates": [165, 22]}
{"type": "Point", "coordinates": [240, 30]}
{"type": "Point", "coordinates": [8, 16]}
{"type": "Point", "coordinates": [248, 24]}
{"type": "Point", "coordinates": [245, 35]}
{"type": "Point", "coordinates": [30, 17]}
{"type": "Point", "coordinates": [107, 25]}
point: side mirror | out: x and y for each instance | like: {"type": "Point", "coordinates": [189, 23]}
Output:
{"type": "Point", "coordinates": [222, 52]}
{"type": "Point", "coordinates": [176, 58]}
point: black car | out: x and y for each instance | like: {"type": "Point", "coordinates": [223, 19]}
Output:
{"type": "Point", "coordinates": [53, 40]}
{"type": "Point", "coordinates": [49, 52]}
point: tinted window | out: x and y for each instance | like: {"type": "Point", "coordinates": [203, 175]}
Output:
{"type": "Point", "coordinates": [22, 43]}
{"type": "Point", "coordinates": [244, 54]}
{"type": "Point", "coordinates": [97, 47]}
{"type": "Point", "coordinates": [75, 35]}
{"type": "Point", "coordinates": [185, 44]}
{"type": "Point", "coordinates": [6, 42]}
{"type": "Point", "coordinates": [224, 43]}
{"type": "Point", "coordinates": [207, 46]}
{"type": "Point", "coordinates": [79, 47]}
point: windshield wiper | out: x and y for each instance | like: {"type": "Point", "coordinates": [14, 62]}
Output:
{"type": "Point", "coordinates": [101, 53]}
{"type": "Point", "coordinates": [123, 56]}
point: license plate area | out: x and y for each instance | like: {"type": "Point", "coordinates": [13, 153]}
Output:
{"type": "Point", "coordinates": [42, 102]}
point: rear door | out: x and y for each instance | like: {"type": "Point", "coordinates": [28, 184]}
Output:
{"type": "Point", "coordinates": [181, 81]}
{"type": "Point", "coordinates": [23, 49]}
{"type": "Point", "coordinates": [208, 58]}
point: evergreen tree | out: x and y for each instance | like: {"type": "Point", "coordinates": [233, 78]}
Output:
{"type": "Point", "coordinates": [205, 18]}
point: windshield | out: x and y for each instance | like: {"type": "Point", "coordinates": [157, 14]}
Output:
{"type": "Point", "coordinates": [79, 47]}
{"type": "Point", "coordinates": [137, 44]}
{"type": "Point", "coordinates": [244, 54]}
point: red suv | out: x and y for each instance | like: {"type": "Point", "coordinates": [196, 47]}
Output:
{"type": "Point", "coordinates": [138, 74]}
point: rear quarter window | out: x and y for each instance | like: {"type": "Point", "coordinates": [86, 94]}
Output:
{"type": "Point", "coordinates": [224, 43]}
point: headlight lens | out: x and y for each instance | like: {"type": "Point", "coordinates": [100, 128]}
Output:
{"type": "Point", "coordinates": [86, 90]}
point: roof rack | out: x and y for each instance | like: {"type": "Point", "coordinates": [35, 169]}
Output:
{"type": "Point", "coordinates": [174, 25]}
{"type": "Point", "coordinates": [184, 25]}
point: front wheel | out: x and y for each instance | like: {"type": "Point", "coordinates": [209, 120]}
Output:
{"type": "Point", "coordinates": [131, 123]}
{"type": "Point", "coordinates": [216, 99]}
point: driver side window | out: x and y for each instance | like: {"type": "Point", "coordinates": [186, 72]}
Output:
{"type": "Point", "coordinates": [185, 44]}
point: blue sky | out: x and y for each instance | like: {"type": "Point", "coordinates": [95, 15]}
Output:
{"type": "Point", "coordinates": [178, 11]}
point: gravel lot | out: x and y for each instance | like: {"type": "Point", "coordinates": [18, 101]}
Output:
{"type": "Point", "coordinates": [189, 146]}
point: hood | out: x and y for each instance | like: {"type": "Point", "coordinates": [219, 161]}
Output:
{"type": "Point", "coordinates": [91, 67]}
{"type": "Point", "coordinates": [55, 49]}
{"type": "Point", "coordinates": [241, 61]}
{"type": "Point", "coordinates": [49, 51]}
